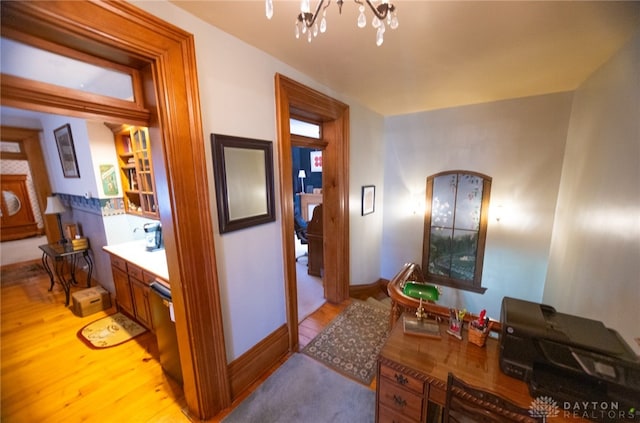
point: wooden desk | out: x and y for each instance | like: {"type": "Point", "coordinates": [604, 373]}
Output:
{"type": "Point", "coordinates": [412, 376]}
{"type": "Point", "coordinates": [401, 303]}
{"type": "Point", "coordinates": [54, 257]}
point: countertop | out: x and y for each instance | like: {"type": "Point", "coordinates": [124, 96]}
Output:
{"type": "Point", "coordinates": [135, 252]}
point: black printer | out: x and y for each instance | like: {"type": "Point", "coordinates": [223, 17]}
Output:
{"type": "Point", "coordinates": [567, 357]}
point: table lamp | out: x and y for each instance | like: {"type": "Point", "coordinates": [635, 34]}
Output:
{"type": "Point", "coordinates": [302, 174]}
{"type": "Point", "coordinates": [54, 206]}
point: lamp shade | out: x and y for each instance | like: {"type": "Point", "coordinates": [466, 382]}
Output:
{"type": "Point", "coordinates": [302, 174]}
{"type": "Point", "coordinates": [54, 206]}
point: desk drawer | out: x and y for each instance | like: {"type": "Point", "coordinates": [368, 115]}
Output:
{"type": "Point", "coordinates": [386, 415]}
{"type": "Point", "coordinates": [400, 400]}
{"type": "Point", "coordinates": [134, 272]}
{"type": "Point", "coordinates": [437, 395]}
{"type": "Point", "coordinates": [119, 263]}
{"type": "Point", "coordinates": [401, 379]}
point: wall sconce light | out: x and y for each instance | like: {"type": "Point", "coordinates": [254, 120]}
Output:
{"type": "Point", "coordinates": [418, 204]}
{"type": "Point", "coordinates": [54, 206]}
{"type": "Point", "coordinates": [302, 174]}
{"type": "Point", "coordinates": [499, 212]}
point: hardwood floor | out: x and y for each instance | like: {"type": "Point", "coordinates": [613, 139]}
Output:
{"type": "Point", "coordinates": [48, 375]}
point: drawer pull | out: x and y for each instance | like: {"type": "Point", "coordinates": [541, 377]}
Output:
{"type": "Point", "coordinates": [401, 379]}
{"type": "Point", "coordinates": [400, 402]}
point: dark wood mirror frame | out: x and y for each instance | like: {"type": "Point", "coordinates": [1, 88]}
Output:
{"type": "Point", "coordinates": [235, 209]}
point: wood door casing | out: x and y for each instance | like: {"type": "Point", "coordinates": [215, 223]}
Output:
{"type": "Point", "coordinates": [165, 55]}
{"type": "Point", "coordinates": [293, 98]}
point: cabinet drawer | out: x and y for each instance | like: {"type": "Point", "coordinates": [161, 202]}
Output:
{"type": "Point", "coordinates": [437, 395]}
{"type": "Point", "coordinates": [119, 263]}
{"type": "Point", "coordinates": [134, 271]}
{"type": "Point", "coordinates": [401, 379]}
{"type": "Point", "coordinates": [386, 415]}
{"type": "Point", "coordinates": [148, 277]}
{"type": "Point", "coordinates": [400, 400]}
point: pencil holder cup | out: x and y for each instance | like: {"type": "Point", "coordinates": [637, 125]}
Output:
{"type": "Point", "coordinates": [479, 336]}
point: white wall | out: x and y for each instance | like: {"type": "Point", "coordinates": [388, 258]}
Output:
{"type": "Point", "coordinates": [520, 144]}
{"type": "Point", "coordinates": [93, 143]}
{"type": "Point", "coordinates": [237, 95]}
{"type": "Point", "coordinates": [594, 266]}
{"type": "Point", "coordinates": [366, 167]}
{"type": "Point", "coordinates": [75, 186]}
{"type": "Point", "coordinates": [103, 152]}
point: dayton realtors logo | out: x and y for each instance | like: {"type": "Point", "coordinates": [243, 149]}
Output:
{"type": "Point", "coordinates": [543, 407]}
{"type": "Point", "coordinates": [604, 411]}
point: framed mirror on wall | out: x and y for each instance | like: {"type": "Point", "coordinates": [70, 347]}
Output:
{"type": "Point", "coordinates": [243, 171]}
{"type": "Point", "coordinates": [455, 229]}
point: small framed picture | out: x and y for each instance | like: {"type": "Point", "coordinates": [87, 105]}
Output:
{"type": "Point", "coordinates": [368, 199]}
{"type": "Point", "coordinates": [67, 151]}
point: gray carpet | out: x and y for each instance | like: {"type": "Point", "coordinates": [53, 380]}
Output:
{"type": "Point", "coordinates": [303, 390]}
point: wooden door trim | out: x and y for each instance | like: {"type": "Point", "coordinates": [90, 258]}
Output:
{"type": "Point", "coordinates": [297, 99]}
{"type": "Point", "coordinates": [27, 94]}
{"type": "Point", "coordinates": [120, 32]}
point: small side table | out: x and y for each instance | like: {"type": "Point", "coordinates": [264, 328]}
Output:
{"type": "Point", "coordinates": [54, 257]}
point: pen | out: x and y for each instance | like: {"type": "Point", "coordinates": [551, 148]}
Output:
{"type": "Point", "coordinates": [481, 317]}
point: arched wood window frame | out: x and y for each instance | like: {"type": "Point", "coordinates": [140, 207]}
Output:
{"type": "Point", "coordinates": [456, 223]}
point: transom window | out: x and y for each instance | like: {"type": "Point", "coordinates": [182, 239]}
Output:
{"type": "Point", "coordinates": [33, 63]}
{"type": "Point", "coordinates": [305, 129]}
{"type": "Point", "coordinates": [455, 229]}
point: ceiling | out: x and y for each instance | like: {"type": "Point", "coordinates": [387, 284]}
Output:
{"type": "Point", "coordinates": [444, 53]}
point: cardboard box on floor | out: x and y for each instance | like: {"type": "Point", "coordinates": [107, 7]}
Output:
{"type": "Point", "coordinates": [90, 300]}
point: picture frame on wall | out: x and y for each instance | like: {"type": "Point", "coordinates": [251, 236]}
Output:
{"type": "Point", "coordinates": [66, 151]}
{"type": "Point", "coordinates": [368, 199]}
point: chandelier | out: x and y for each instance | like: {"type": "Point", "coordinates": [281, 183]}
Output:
{"type": "Point", "coordinates": [384, 12]}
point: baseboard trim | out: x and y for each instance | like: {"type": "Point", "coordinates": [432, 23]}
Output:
{"type": "Point", "coordinates": [250, 366]}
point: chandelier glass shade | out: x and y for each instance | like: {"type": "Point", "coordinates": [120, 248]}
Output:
{"type": "Point", "coordinates": [306, 25]}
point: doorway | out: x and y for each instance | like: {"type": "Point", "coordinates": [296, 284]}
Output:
{"type": "Point", "coordinates": [16, 251]}
{"type": "Point", "coordinates": [307, 186]}
{"type": "Point", "coordinates": [165, 55]}
{"type": "Point", "coordinates": [294, 99]}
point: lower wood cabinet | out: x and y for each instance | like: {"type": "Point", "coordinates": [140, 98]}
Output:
{"type": "Point", "coordinates": [132, 290]}
{"type": "Point", "coordinates": [123, 290]}
{"type": "Point", "coordinates": [140, 293]}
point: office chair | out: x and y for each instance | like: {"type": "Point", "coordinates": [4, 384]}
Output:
{"type": "Point", "coordinates": [300, 227]}
{"type": "Point", "coordinates": [466, 404]}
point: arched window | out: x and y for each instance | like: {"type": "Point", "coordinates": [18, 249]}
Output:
{"type": "Point", "coordinates": [455, 229]}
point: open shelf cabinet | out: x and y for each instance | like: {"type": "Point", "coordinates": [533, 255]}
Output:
{"type": "Point", "coordinates": [136, 170]}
